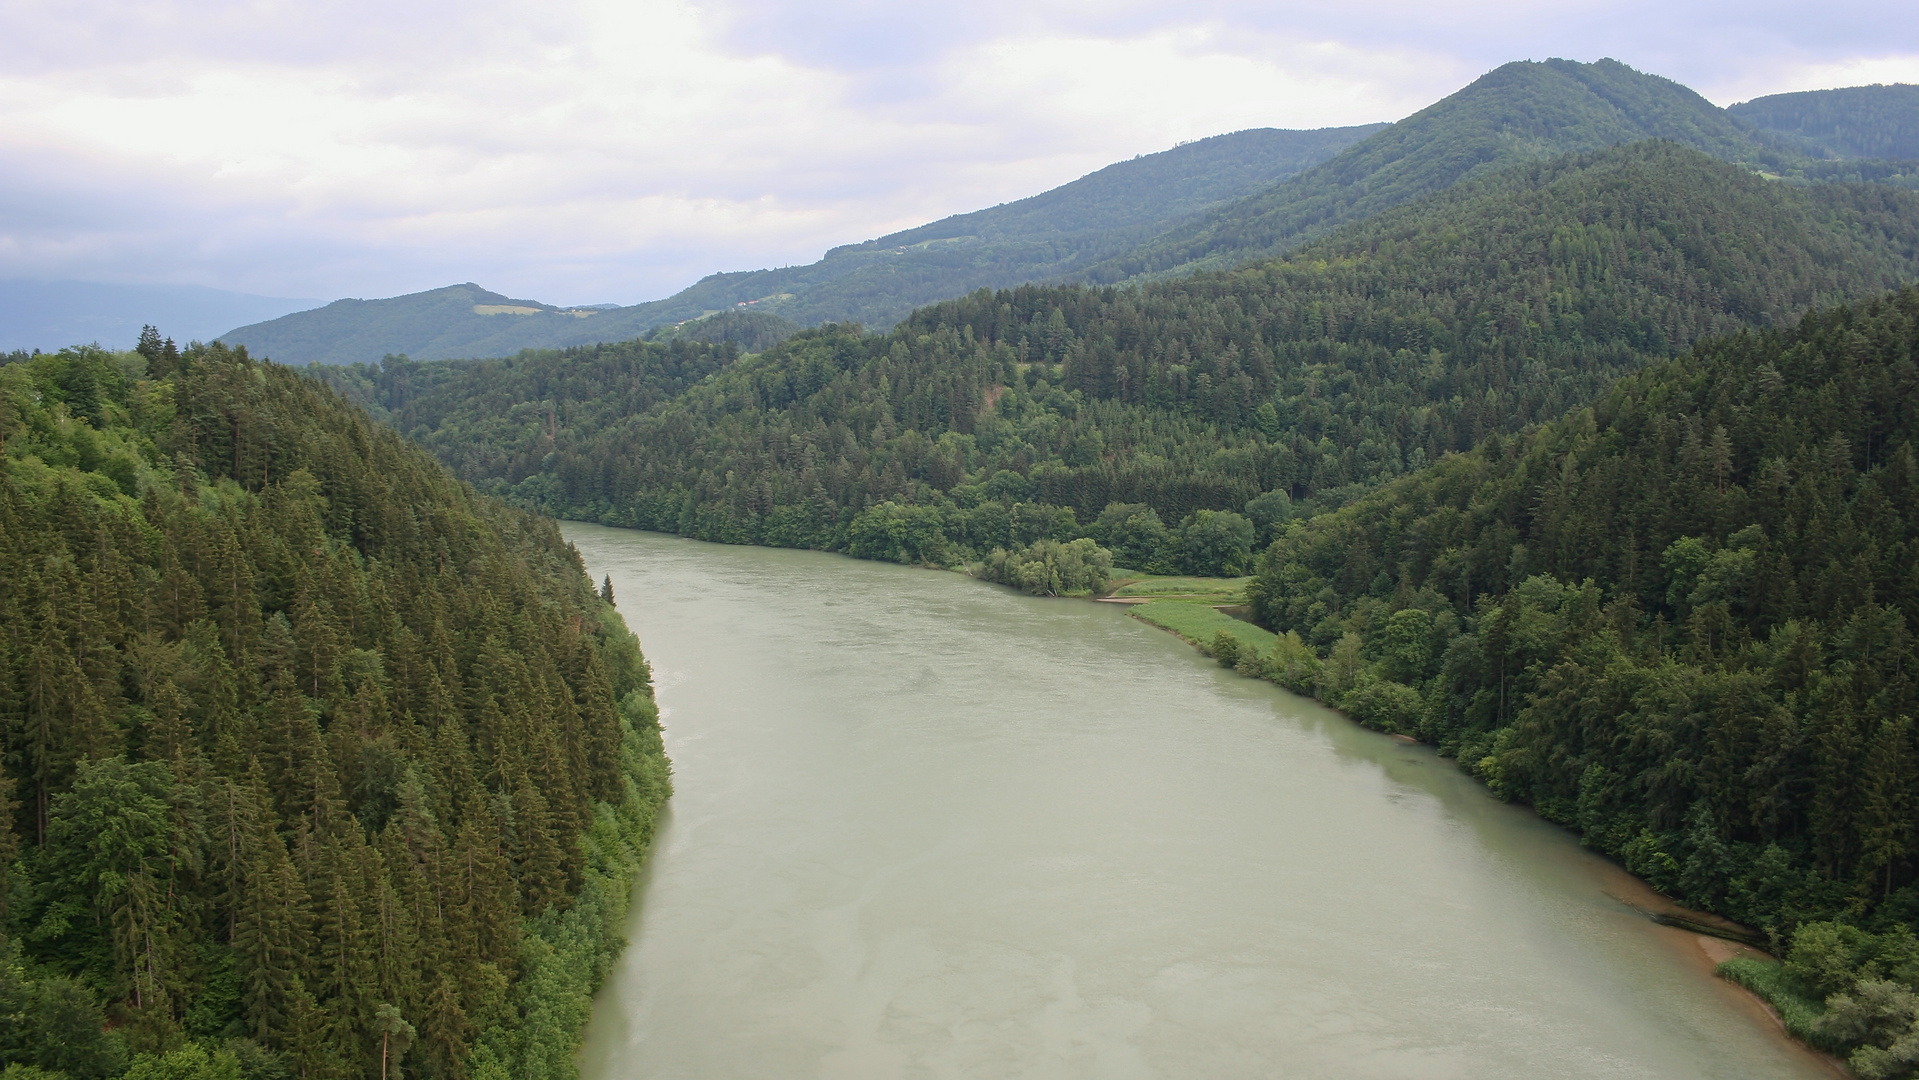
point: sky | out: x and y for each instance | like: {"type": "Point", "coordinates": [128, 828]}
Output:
{"type": "Point", "coordinates": [592, 151]}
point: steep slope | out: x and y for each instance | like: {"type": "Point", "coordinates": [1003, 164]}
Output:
{"type": "Point", "coordinates": [1502, 302]}
{"type": "Point", "coordinates": [1856, 122]}
{"type": "Point", "coordinates": [1680, 621]}
{"type": "Point", "coordinates": [877, 282]}
{"type": "Point", "coordinates": [306, 745]}
{"type": "Point", "coordinates": [1520, 112]}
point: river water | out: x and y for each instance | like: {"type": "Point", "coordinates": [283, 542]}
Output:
{"type": "Point", "coordinates": [926, 827]}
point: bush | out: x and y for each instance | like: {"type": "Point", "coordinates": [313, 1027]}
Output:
{"type": "Point", "coordinates": [1136, 536]}
{"type": "Point", "coordinates": [1216, 543]}
{"type": "Point", "coordinates": [1051, 568]}
{"type": "Point", "coordinates": [895, 533]}
{"type": "Point", "coordinates": [1384, 704]}
{"type": "Point", "coordinates": [191, 1062]}
{"type": "Point", "coordinates": [1225, 649]}
{"type": "Point", "coordinates": [1250, 663]}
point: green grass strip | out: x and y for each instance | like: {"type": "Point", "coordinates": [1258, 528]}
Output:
{"type": "Point", "coordinates": [1197, 622]}
{"type": "Point", "coordinates": [1767, 978]}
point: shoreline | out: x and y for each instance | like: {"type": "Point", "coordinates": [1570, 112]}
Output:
{"type": "Point", "coordinates": [1683, 930]}
{"type": "Point", "coordinates": [1702, 940]}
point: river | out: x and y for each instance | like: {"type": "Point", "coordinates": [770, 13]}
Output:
{"type": "Point", "coordinates": [926, 827]}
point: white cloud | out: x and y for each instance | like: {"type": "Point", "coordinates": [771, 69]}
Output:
{"type": "Point", "coordinates": [1789, 77]}
{"type": "Point", "coordinates": [598, 150]}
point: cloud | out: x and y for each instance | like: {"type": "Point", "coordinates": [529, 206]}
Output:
{"type": "Point", "coordinates": [598, 150]}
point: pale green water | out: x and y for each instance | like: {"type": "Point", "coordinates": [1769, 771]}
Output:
{"type": "Point", "coordinates": [925, 827]}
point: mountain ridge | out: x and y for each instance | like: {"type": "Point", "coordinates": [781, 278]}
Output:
{"type": "Point", "coordinates": [1521, 111]}
{"type": "Point", "coordinates": [1877, 121]}
{"type": "Point", "coordinates": [1140, 220]}
{"type": "Point", "coordinates": [1116, 206]}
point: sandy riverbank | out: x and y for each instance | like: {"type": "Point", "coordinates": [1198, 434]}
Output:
{"type": "Point", "coordinates": [1705, 952]}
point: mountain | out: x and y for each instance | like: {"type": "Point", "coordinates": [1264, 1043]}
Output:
{"type": "Point", "coordinates": [50, 315]}
{"type": "Point", "coordinates": [1522, 111]}
{"type": "Point", "coordinates": [456, 321]}
{"type": "Point", "coordinates": [1212, 204]}
{"type": "Point", "coordinates": [309, 745]}
{"type": "Point", "coordinates": [1874, 121]}
{"type": "Point", "coordinates": [1048, 236]}
{"type": "Point", "coordinates": [1501, 302]}
{"type": "Point", "coordinates": [877, 282]}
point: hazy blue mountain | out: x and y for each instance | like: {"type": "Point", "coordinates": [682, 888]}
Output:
{"type": "Point", "coordinates": [50, 315]}
{"type": "Point", "coordinates": [1519, 112]}
{"type": "Point", "coordinates": [1874, 121]}
{"type": "Point", "coordinates": [877, 282]}
{"type": "Point", "coordinates": [440, 324]}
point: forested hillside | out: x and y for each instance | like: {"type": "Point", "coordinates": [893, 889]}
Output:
{"type": "Point", "coordinates": [499, 402]}
{"type": "Point", "coordinates": [748, 331]}
{"type": "Point", "coordinates": [1855, 122]}
{"type": "Point", "coordinates": [1680, 621]}
{"type": "Point", "coordinates": [1213, 204]}
{"type": "Point", "coordinates": [1049, 236]}
{"type": "Point", "coordinates": [1522, 111]}
{"type": "Point", "coordinates": [315, 764]}
{"type": "Point", "coordinates": [876, 282]}
{"type": "Point", "coordinates": [1000, 419]}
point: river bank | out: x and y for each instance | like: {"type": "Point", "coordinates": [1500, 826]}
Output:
{"type": "Point", "coordinates": [1730, 952]}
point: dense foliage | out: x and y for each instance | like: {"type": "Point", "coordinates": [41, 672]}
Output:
{"type": "Point", "coordinates": [1858, 121]}
{"type": "Point", "coordinates": [1051, 568]}
{"type": "Point", "coordinates": [749, 331]}
{"type": "Point", "coordinates": [996, 420]}
{"type": "Point", "coordinates": [1680, 621]}
{"type": "Point", "coordinates": [310, 756]}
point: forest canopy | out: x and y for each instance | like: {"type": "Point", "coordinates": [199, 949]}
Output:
{"type": "Point", "coordinates": [999, 419]}
{"type": "Point", "coordinates": [310, 754]}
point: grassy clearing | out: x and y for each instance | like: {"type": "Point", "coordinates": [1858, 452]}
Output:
{"type": "Point", "coordinates": [1197, 622]}
{"type": "Point", "coordinates": [1212, 590]}
{"type": "Point", "coordinates": [1767, 978]}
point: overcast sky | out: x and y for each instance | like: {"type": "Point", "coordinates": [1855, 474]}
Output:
{"type": "Point", "coordinates": [584, 152]}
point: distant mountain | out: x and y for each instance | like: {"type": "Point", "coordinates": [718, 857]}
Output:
{"type": "Point", "coordinates": [1874, 121]}
{"type": "Point", "coordinates": [1048, 236]}
{"type": "Point", "coordinates": [50, 315]}
{"type": "Point", "coordinates": [878, 282]}
{"type": "Point", "coordinates": [441, 324]}
{"type": "Point", "coordinates": [1213, 204]}
{"type": "Point", "coordinates": [1523, 111]}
